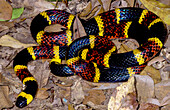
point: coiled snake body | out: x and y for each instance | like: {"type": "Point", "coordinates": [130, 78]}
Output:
{"type": "Point", "coordinates": [91, 57]}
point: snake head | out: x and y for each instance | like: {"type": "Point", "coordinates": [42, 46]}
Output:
{"type": "Point", "coordinates": [21, 102]}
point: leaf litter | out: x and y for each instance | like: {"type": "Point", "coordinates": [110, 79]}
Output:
{"type": "Point", "coordinates": [150, 90]}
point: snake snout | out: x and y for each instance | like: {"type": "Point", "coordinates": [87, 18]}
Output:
{"type": "Point", "coordinates": [21, 102]}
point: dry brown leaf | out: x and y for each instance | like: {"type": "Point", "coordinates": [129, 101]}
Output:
{"type": "Point", "coordinates": [144, 88]}
{"type": "Point", "coordinates": [78, 29]}
{"type": "Point", "coordinates": [167, 2]}
{"type": "Point", "coordinates": [156, 59]}
{"type": "Point", "coordinates": [117, 43]}
{"type": "Point", "coordinates": [54, 28]}
{"type": "Point", "coordinates": [4, 99]}
{"type": "Point", "coordinates": [9, 41]}
{"type": "Point", "coordinates": [166, 53]}
{"type": "Point", "coordinates": [40, 71]}
{"type": "Point", "coordinates": [70, 107]}
{"type": "Point", "coordinates": [42, 93]}
{"type": "Point", "coordinates": [131, 43]}
{"type": "Point", "coordinates": [106, 4]}
{"type": "Point", "coordinates": [102, 86]}
{"type": "Point", "coordinates": [65, 2]}
{"type": "Point", "coordinates": [166, 100]}
{"type": "Point", "coordinates": [5, 25]}
{"type": "Point", "coordinates": [130, 2]}
{"type": "Point", "coordinates": [165, 72]}
{"type": "Point", "coordinates": [96, 107]}
{"type": "Point", "coordinates": [63, 81]}
{"type": "Point", "coordinates": [118, 4]}
{"type": "Point", "coordinates": [95, 96]}
{"type": "Point", "coordinates": [153, 101]}
{"type": "Point", "coordinates": [160, 9]}
{"type": "Point", "coordinates": [93, 8]}
{"type": "Point", "coordinates": [148, 106]}
{"type": "Point", "coordinates": [162, 89]}
{"type": "Point", "coordinates": [153, 73]}
{"type": "Point", "coordinates": [77, 94]}
{"type": "Point", "coordinates": [115, 4]}
{"type": "Point", "coordinates": [167, 44]}
{"type": "Point", "coordinates": [165, 107]}
{"type": "Point", "coordinates": [2, 80]}
{"type": "Point", "coordinates": [124, 3]}
{"type": "Point", "coordinates": [42, 5]}
{"type": "Point", "coordinates": [120, 93]}
{"type": "Point", "coordinates": [60, 92]}
{"type": "Point", "coordinates": [4, 92]}
{"type": "Point", "coordinates": [5, 10]}
{"type": "Point", "coordinates": [124, 48]}
{"type": "Point", "coordinates": [130, 102]}
{"type": "Point", "coordinates": [134, 3]}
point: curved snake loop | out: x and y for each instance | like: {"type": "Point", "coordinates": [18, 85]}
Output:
{"type": "Point", "coordinates": [92, 57]}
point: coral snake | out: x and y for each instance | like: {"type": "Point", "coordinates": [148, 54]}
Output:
{"type": "Point", "coordinates": [92, 57]}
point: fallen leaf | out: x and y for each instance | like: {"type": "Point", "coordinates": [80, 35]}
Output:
{"type": "Point", "coordinates": [42, 5]}
{"type": "Point", "coordinates": [167, 44]}
{"type": "Point", "coordinates": [130, 2]}
{"type": "Point", "coordinates": [77, 94]}
{"type": "Point", "coordinates": [70, 107]}
{"type": "Point", "coordinates": [16, 13]}
{"type": "Point", "coordinates": [102, 86]}
{"type": "Point", "coordinates": [78, 29]}
{"type": "Point", "coordinates": [5, 101]}
{"type": "Point", "coordinates": [166, 53]}
{"type": "Point", "coordinates": [160, 9]}
{"type": "Point", "coordinates": [95, 96]}
{"type": "Point", "coordinates": [106, 4]}
{"type": "Point", "coordinates": [117, 44]}
{"type": "Point", "coordinates": [144, 88]}
{"type": "Point", "coordinates": [153, 101]}
{"type": "Point", "coordinates": [162, 89]}
{"type": "Point", "coordinates": [165, 107]}
{"type": "Point", "coordinates": [9, 41]}
{"type": "Point", "coordinates": [130, 102]}
{"type": "Point", "coordinates": [3, 80]}
{"type": "Point", "coordinates": [120, 93]}
{"type": "Point", "coordinates": [42, 93]}
{"type": "Point", "coordinates": [65, 2]}
{"type": "Point", "coordinates": [165, 72]}
{"type": "Point", "coordinates": [124, 48]}
{"type": "Point", "coordinates": [148, 106]}
{"type": "Point", "coordinates": [96, 107]}
{"type": "Point", "coordinates": [153, 73]}
{"type": "Point", "coordinates": [165, 2]}
{"type": "Point", "coordinates": [131, 43]}
{"type": "Point", "coordinates": [156, 59]}
{"type": "Point", "coordinates": [54, 28]}
{"type": "Point", "coordinates": [41, 72]}
{"type": "Point", "coordinates": [5, 25]}
{"type": "Point", "coordinates": [166, 100]}
{"type": "Point", "coordinates": [5, 10]}
{"type": "Point", "coordinates": [93, 8]}
{"type": "Point", "coordinates": [118, 4]}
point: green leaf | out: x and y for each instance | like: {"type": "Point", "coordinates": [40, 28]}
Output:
{"type": "Point", "coordinates": [2, 20]}
{"type": "Point", "coordinates": [16, 13]}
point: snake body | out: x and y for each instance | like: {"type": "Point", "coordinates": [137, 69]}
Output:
{"type": "Point", "coordinates": [91, 57]}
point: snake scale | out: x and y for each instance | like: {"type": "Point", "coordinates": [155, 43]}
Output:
{"type": "Point", "coordinates": [92, 57]}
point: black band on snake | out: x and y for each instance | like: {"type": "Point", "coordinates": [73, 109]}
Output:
{"type": "Point", "coordinates": [92, 57]}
